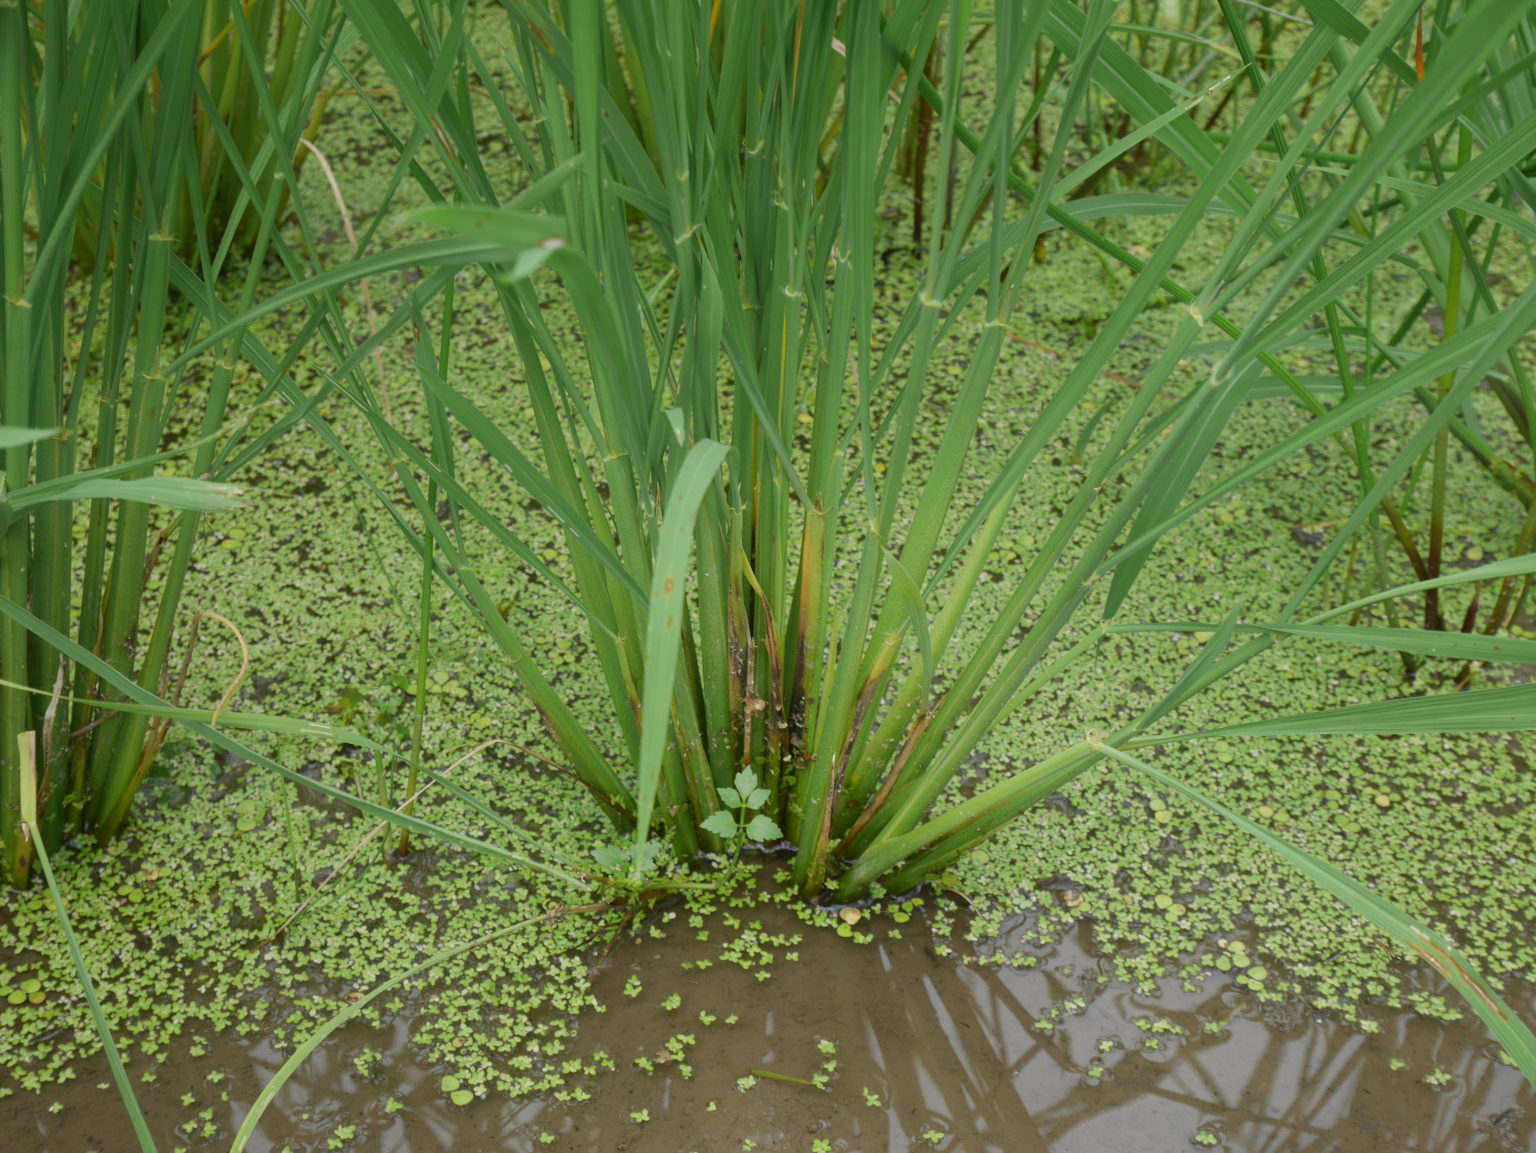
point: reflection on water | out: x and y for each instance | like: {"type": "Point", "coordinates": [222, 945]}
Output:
{"type": "Point", "coordinates": [930, 1054]}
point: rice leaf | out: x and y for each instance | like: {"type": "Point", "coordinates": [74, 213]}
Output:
{"type": "Point", "coordinates": [1511, 709]}
{"type": "Point", "coordinates": [1427, 642]}
{"type": "Point", "coordinates": [674, 544]}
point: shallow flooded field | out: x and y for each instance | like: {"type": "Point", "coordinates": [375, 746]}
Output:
{"type": "Point", "coordinates": [1124, 432]}
{"type": "Point", "coordinates": [794, 1038]}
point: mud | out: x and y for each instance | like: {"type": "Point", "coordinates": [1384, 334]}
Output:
{"type": "Point", "coordinates": [925, 1052]}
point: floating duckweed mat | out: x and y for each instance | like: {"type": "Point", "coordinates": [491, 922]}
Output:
{"type": "Point", "coordinates": [753, 1022]}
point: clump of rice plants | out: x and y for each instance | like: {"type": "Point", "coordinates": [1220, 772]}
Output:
{"type": "Point", "coordinates": [772, 578]}
{"type": "Point", "coordinates": [117, 402]}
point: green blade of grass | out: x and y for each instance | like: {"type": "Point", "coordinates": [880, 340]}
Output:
{"type": "Point", "coordinates": [164, 491]}
{"type": "Point", "coordinates": [17, 437]}
{"type": "Point", "coordinates": [1511, 709]}
{"type": "Point", "coordinates": [1492, 571]}
{"type": "Point", "coordinates": [1427, 642]}
{"type": "Point", "coordinates": [77, 958]}
{"type": "Point", "coordinates": [663, 622]}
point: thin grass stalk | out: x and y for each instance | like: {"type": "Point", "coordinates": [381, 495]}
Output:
{"type": "Point", "coordinates": [419, 704]}
{"type": "Point", "coordinates": [51, 577]}
{"type": "Point", "coordinates": [1462, 257]}
{"type": "Point", "coordinates": [862, 670]}
{"type": "Point", "coordinates": [132, 733]}
{"type": "Point", "coordinates": [1236, 29]}
{"type": "Point", "coordinates": [861, 777]}
{"type": "Point", "coordinates": [117, 189]}
{"type": "Point", "coordinates": [1440, 460]}
{"type": "Point", "coordinates": [29, 828]}
{"type": "Point", "coordinates": [119, 764]}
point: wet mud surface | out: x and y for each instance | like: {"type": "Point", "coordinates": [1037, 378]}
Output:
{"type": "Point", "coordinates": [915, 1051]}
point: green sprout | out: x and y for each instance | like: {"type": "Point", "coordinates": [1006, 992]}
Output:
{"type": "Point", "coordinates": [746, 798]}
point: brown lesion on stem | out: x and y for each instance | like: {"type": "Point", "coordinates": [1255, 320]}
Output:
{"type": "Point", "coordinates": [887, 784]}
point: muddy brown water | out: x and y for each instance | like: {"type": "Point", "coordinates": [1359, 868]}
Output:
{"type": "Point", "coordinates": [930, 1054]}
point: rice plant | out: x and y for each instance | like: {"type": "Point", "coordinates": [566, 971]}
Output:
{"type": "Point", "coordinates": [256, 63]}
{"type": "Point", "coordinates": [771, 580]}
{"type": "Point", "coordinates": [1453, 253]}
{"type": "Point", "coordinates": [98, 107]}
